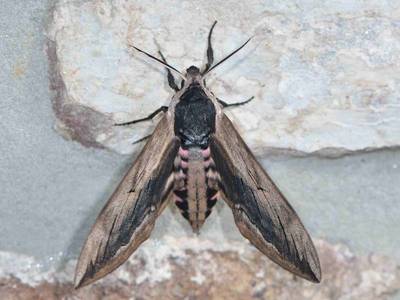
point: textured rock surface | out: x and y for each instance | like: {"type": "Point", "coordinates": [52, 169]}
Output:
{"type": "Point", "coordinates": [325, 74]}
{"type": "Point", "coordinates": [194, 269]}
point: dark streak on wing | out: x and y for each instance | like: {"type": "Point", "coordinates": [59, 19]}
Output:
{"type": "Point", "coordinates": [110, 234]}
{"type": "Point", "coordinates": [129, 216]}
{"type": "Point", "coordinates": [261, 212]}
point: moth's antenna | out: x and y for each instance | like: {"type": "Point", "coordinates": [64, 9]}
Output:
{"type": "Point", "coordinates": [210, 52]}
{"type": "Point", "coordinates": [220, 62]}
{"type": "Point", "coordinates": [160, 61]}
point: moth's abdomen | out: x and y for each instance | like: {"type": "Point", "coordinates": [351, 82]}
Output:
{"type": "Point", "coordinates": [196, 185]}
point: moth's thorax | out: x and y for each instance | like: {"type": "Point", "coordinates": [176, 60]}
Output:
{"type": "Point", "coordinates": [196, 185]}
{"type": "Point", "coordinates": [194, 117]}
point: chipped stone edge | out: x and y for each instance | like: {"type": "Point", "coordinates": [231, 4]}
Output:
{"type": "Point", "coordinates": [83, 124]}
{"type": "Point", "coordinates": [329, 152]}
{"type": "Point", "coordinates": [74, 122]}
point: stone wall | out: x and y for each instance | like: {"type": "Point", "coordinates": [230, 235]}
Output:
{"type": "Point", "coordinates": [324, 123]}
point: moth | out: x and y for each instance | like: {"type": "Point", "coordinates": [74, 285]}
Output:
{"type": "Point", "coordinates": [195, 157]}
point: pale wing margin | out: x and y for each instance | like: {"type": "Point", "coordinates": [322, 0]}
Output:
{"type": "Point", "coordinates": [261, 212]}
{"type": "Point", "coordinates": [129, 216]}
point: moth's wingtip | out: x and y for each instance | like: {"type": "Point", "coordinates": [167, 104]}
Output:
{"type": "Point", "coordinates": [315, 279]}
{"type": "Point", "coordinates": [318, 277]}
{"type": "Point", "coordinates": [81, 282]}
{"type": "Point", "coordinates": [77, 286]}
{"type": "Point", "coordinates": [78, 282]}
{"type": "Point", "coordinates": [311, 272]}
{"type": "Point", "coordinates": [315, 276]}
{"type": "Point", "coordinates": [81, 279]}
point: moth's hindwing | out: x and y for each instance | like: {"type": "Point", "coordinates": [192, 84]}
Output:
{"type": "Point", "coordinates": [261, 212]}
{"type": "Point", "coordinates": [129, 216]}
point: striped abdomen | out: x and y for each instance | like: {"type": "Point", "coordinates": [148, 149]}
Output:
{"type": "Point", "coordinates": [196, 185]}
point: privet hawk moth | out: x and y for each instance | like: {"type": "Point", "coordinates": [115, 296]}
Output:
{"type": "Point", "coordinates": [195, 156]}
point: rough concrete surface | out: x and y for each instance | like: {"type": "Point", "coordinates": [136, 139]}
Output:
{"type": "Point", "coordinates": [53, 188]}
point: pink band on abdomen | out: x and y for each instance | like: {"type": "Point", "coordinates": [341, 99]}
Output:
{"type": "Point", "coordinates": [206, 152]}
{"type": "Point", "coordinates": [183, 153]}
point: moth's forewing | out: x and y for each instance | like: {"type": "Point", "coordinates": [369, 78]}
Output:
{"type": "Point", "coordinates": [129, 216]}
{"type": "Point", "coordinates": [261, 212]}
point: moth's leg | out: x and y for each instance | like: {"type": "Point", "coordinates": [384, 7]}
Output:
{"type": "Point", "coordinates": [171, 78]}
{"type": "Point", "coordinates": [210, 52]}
{"type": "Point", "coordinates": [225, 105]}
{"type": "Point", "coordinates": [148, 118]}
{"type": "Point", "coordinates": [141, 139]}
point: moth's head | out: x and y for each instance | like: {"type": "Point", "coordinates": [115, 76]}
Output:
{"type": "Point", "coordinates": [192, 71]}
{"type": "Point", "coordinates": [193, 75]}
